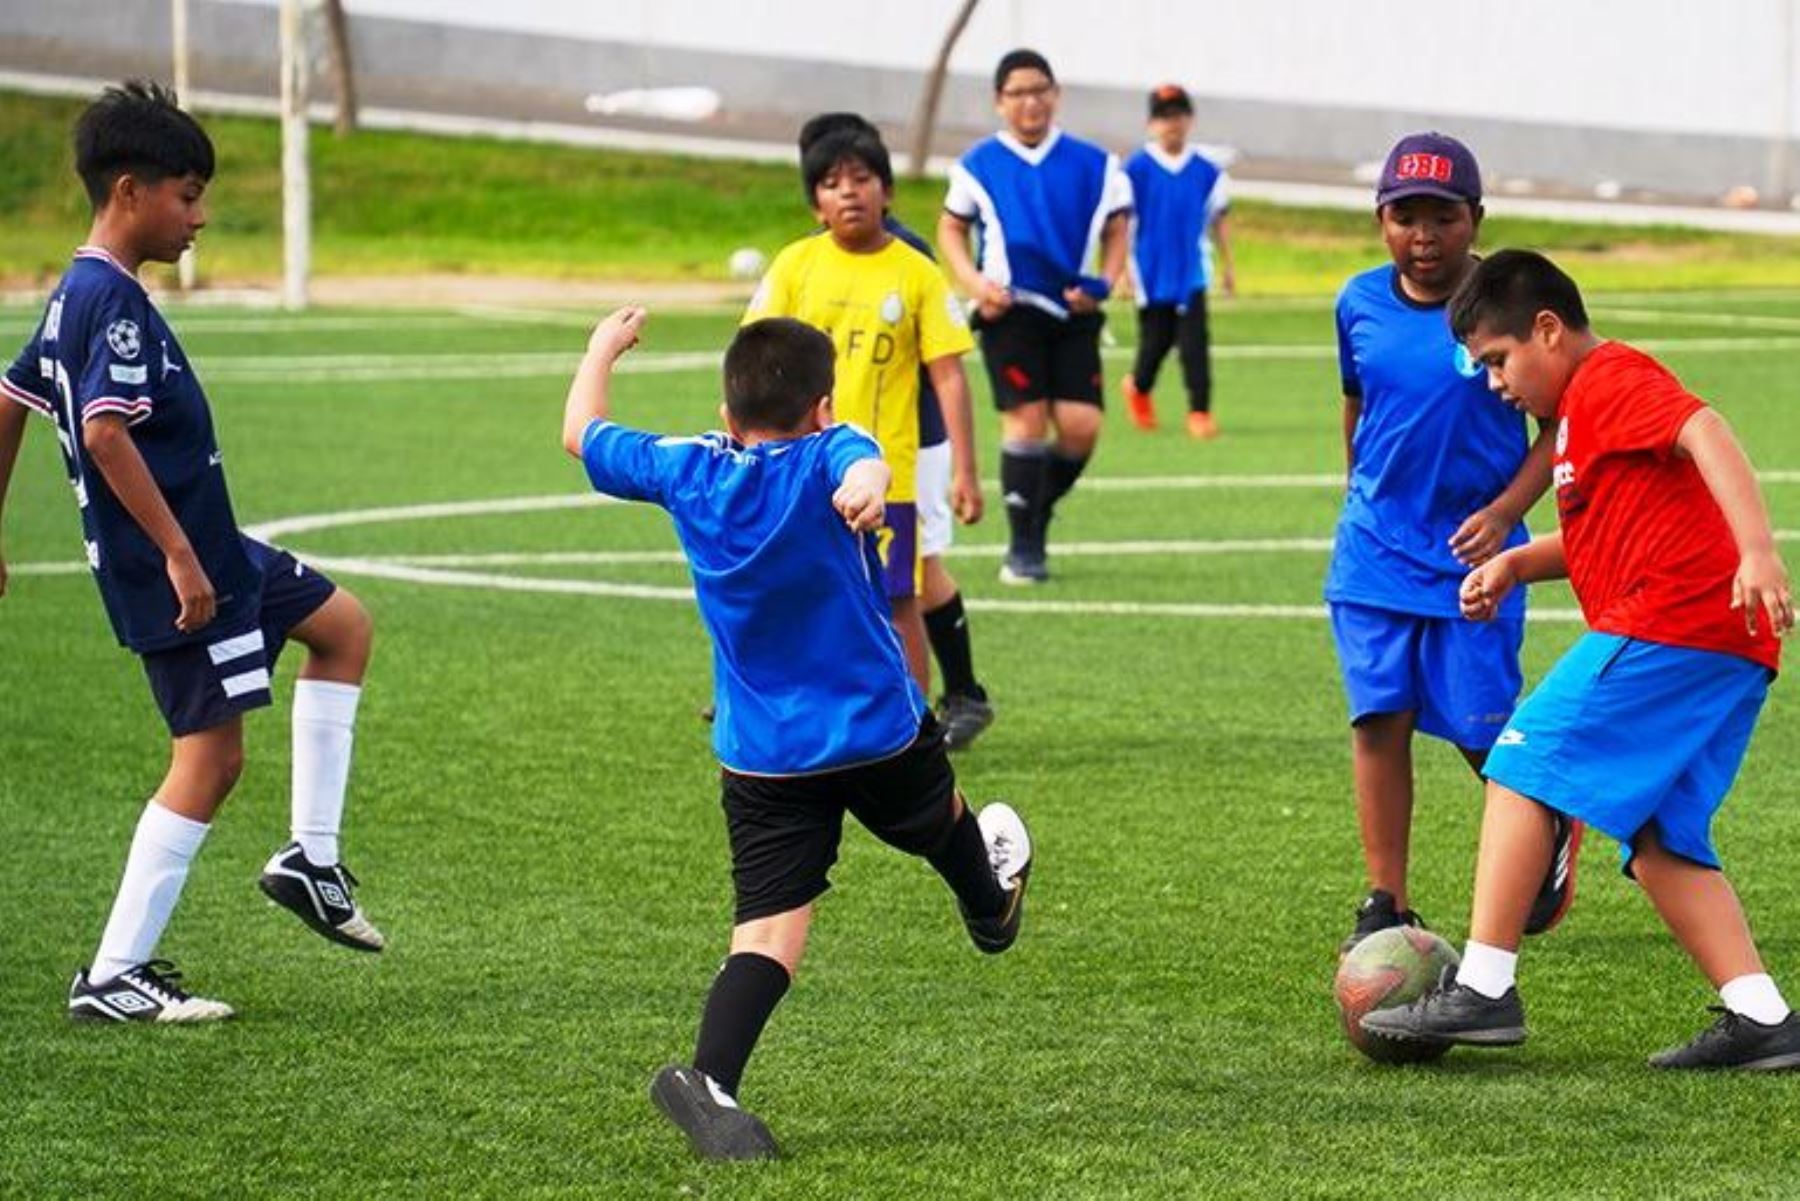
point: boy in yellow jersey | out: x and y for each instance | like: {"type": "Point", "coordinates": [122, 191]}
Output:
{"type": "Point", "coordinates": [888, 311]}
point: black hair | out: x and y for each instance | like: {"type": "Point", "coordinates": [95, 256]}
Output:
{"type": "Point", "coordinates": [1021, 60]}
{"type": "Point", "coordinates": [775, 370]}
{"type": "Point", "coordinates": [835, 147]}
{"type": "Point", "coordinates": [817, 127]}
{"type": "Point", "coordinates": [137, 129]}
{"type": "Point", "coordinates": [1508, 289]}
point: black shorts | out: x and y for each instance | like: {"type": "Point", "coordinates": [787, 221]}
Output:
{"type": "Point", "coordinates": [1032, 356]}
{"type": "Point", "coordinates": [785, 829]}
{"type": "Point", "coordinates": [203, 684]}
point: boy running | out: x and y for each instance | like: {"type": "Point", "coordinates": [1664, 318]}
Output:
{"type": "Point", "coordinates": [816, 711]}
{"type": "Point", "coordinates": [865, 281]}
{"type": "Point", "coordinates": [1641, 727]}
{"type": "Point", "coordinates": [1043, 203]}
{"type": "Point", "coordinates": [1179, 193]}
{"type": "Point", "coordinates": [206, 608]}
{"type": "Point", "coordinates": [1439, 480]}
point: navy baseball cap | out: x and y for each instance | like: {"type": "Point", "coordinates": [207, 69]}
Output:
{"type": "Point", "coordinates": [1429, 164]}
{"type": "Point", "coordinates": [1169, 100]}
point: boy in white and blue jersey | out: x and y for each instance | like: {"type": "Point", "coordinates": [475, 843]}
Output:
{"type": "Point", "coordinates": [817, 714]}
{"type": "Point", "coordinates": [1440, 479]}
{"type": "Point", "coordinates": [1180, 195]}
{"type": "Point", "coordinates": [206, 609]}
{"type": "Point", "coordinates": [1043, 205]}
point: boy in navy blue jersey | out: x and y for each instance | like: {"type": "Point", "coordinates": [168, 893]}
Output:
{"type": "Point", "coordinates": [816, 711]}
{"type": "Point", "coordinates": [206, 608]}
{"type": "Point", "coordinates": [1044, 206]}
{"type": "Point", "coordinates": [1439, 480]}
{"type": "Point", "coordinates": [1179, 193]}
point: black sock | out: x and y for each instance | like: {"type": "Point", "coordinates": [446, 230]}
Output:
{"type": "Point", "coordinates": [744, 994]}
{"type": "Point", "coordinates": [1023, 467]}
{"type": "Point", "coordinates": [948, 628]}
{"type": "Point", "coordinates": [964, 864]}
{"type": "Point", "coordinates": [1060, 475]}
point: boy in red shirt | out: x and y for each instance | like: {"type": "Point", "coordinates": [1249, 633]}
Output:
{"type": "Point", "coordinates": [1640, 729]}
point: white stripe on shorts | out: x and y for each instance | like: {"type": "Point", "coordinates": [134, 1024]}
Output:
{"type": "Point", "coordinates": [248, 681]}
{"type": "Point", "coordinates": [235, 648]}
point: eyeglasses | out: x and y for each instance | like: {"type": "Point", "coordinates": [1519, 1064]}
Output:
{"type": "Point", "coordinates": [1035, 92]}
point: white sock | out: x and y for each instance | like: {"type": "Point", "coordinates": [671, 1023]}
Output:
{"type": "Point", "coordinates": [161, 850]}
{"type": "Point", "coordinates": [324, 729]}
{"type": "Point", "coordinates": [1490, 971]}
{"type": "Point", "coordinates": [1756, 998]}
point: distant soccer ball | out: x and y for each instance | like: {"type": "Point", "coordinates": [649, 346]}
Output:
{"type": "Point", "coordinates": [1388, 968]}
{"type": "Point", "coordinates": [746, 262]}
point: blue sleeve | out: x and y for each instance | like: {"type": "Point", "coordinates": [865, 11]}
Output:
{"type": "Point", "coordinates": [845, 446]}
{"type": "Point", "coordinates": [627, 463]}
{"type": "Point", "coordinates": [24, 381]}
{"type": "Point", "coordinates": [116, 376]}
{"type": "Point", "coordinates": [1346, 353]}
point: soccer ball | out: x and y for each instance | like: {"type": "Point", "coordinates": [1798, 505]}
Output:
{"type": "Point", "coordinates": [746, 262]}
{"type": "Point", "coordinates": [1388, 968]}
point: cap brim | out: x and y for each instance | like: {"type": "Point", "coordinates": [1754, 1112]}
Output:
{"type": "Point", "coordinates": [1402, 191]}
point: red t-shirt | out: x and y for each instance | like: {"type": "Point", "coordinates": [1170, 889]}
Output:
{"type": "Point", "coordinates": [1650, 555]}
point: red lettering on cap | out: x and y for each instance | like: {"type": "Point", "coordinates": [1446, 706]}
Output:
{"type": "Point", "coordinates": [1435, 167]}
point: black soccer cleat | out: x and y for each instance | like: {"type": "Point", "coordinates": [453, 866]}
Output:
{"type": "Point", "coordinates": [322, 897]}
{"type": "Point", "coordinates": [715, 1127]}
{"type": "Point", "coordinates": [149, 992]}
{"type": "Point", "coordinates": [1378, 912]}
{"type": "Point", "coordinates": [1735, 1041]}
{"type": "Point", "coordinates": [964, 717]}
{"type": "Point", "coordinates": [1453, 1013]}
{"type": "Point", "coordinates": [1009, 850]}
{"type": "Point", "coordinates": [1025, 569]}
{"type": "Point", "coordinates": [1557, 892]}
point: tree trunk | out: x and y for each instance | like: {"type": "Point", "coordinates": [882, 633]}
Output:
{"type": "Point", "coordinates": [343, 76]}
{"type": "Point", "coordinates": [925, 121]}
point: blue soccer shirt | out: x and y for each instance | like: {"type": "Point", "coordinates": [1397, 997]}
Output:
{"type": "Point", "coordinates": [102, 347]}
{"type": "Point", "coordinates": [1038, 210]}
{"type": "Point", "coordinates": [808, 674]}
{"type": "Point", "coordinates": [1176, 198]}
{"type": "Point", "coordinates": [1432, 446]}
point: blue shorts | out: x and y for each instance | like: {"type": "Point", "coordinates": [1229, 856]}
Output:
{"type": "Point", "coordinates": [1460, 677]}
{"type": "Point", "coordinates": [204, 684]}
{"type": "Point", "coordinates": [1623, 733]}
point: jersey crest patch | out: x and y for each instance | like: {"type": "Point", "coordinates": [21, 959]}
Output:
{"type": "Point", "coordinates": [892, 308]}
{"type": "Point", "coordinates": [122, 335]}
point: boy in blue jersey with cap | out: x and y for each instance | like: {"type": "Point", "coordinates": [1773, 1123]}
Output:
{"type": "Point", "coordinates": [206, 608]}
{"type": "Point", "coordinates": [1179, 193]}
{"type": "Point", "coordinates": [1045, 207]}
{"type": "Point", "coordinates": [1440, 479]}
{"type": "Point", "coordinates": [816, 711]}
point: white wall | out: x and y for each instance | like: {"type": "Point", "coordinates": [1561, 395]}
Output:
{"type": "Point", "coordinates": [1691, 66]}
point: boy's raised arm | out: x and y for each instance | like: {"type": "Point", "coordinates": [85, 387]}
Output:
{"type": "Point", "coordinates": [1761, 582]}
{"type": "Point", "coordinates": [588, 400]}
{"type": "Point", "coordinates": [861, 498]}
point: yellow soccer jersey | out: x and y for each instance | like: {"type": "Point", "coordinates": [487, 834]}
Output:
{"type": "Point", "coordinates": [887, 313]}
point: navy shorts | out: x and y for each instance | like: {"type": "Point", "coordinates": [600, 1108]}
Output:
{"type": "Point", "coordinates": [1032, 356]}
{"type": "Point", "coordinates": [785, 830]}
{"type": "Point", "coordinates": [1626, 734]}
{"type": "Point", "coordinates": [1460, 677]}
{"type": "Point", "coordinates": [204, 684]}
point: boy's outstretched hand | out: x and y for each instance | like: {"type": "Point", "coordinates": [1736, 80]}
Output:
{"type": "Point", "coordinates": [1761, 584]}
{"type": "Point", "coordinates": [1480, 537]}
{"type": "Point", "coordinates": [1484, 588]}
{"type": "Point", "coordinates": [862, 498]}
{"type": "Point", "coordinates": [617, 333]}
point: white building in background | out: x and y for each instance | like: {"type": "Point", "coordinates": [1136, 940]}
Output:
{"type": "Point", "coordinates": [1666, 94]}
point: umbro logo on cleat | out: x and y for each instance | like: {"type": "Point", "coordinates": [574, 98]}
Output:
{"type": "Point", "coordinates": [127, 1001]}
{"type": "Point", "coordinates": [332, 895]}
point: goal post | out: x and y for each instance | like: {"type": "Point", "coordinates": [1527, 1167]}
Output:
{"type": "Point", "coordinates": [296, 175]}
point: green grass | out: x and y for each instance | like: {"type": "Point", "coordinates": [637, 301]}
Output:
{"type": "Point", "coordinates": [395, 203]}
{"type": "Point", "coordinates": [534, 812]}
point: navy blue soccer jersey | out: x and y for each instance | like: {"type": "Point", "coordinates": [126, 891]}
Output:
{"type": "Point", "coordinates": [1176, 198]}
{"type": "Point", "coordinates": [102, 348]}
{"type": "Point", "coordinates": [808, 674]}
{"type": "Point", "coordinates": [1038, 210]}
{"type": "Point", "coordinates": [1432, 446]}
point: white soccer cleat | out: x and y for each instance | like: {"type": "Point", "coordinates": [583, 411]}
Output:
{"type": "Point", "coordinates": [149, 992]}
{"type": "Point", "coordinates": [1008, 842]}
